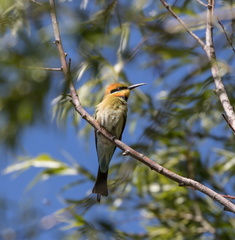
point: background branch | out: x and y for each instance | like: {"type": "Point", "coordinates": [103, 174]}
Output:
{"type": "Point", "coordinates": [209, 49]}
{"type": "Point", "coordinates": [183, 24]}
{"type": "Point", "coordinates": [228, 123]}
{"type": "Point", "coordinates": [220, 89]}
{"type": "Point", "coordinates": [44, 68]}
{"type": "Point", "coordinates": [38, 3]}
{"type": "Point", "coordinates": [182, 181]}
{"type": "Point", "coordinates": [202, 3]}
{"type": "Point", "coordinates": [226, 35]}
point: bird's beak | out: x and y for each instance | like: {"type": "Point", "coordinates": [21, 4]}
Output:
{"type": "Point", "coordinates": [136, 85]}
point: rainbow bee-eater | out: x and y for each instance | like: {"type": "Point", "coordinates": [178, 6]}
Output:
{"type": "Point", "coordinates": [111, 114]}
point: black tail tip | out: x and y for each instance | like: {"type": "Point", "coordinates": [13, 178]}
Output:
{"type": "Point", "coordinates": [99, 194]}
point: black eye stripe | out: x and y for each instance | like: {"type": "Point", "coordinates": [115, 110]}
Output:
{"type": "Point", "coordinates": [118, 89]}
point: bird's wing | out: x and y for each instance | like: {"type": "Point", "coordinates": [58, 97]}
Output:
{"type": "Point", "coordinates": [95, 134]}
{"type": "Point", "coordinates": [124, 124]}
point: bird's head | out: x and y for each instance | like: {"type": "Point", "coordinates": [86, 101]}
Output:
{"type": "Point", "coordinates": [121, 89]}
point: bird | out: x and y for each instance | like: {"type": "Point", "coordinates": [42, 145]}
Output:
{"type": "Point", "coordinates": [111, 114]}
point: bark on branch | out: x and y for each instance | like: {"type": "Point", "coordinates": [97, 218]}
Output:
{"type": "Point", "coordinates": [182, 181]}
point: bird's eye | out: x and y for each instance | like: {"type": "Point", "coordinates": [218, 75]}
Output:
{"type": "Point", "coordinates": [118, 89]}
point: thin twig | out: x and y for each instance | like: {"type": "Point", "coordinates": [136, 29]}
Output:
{"type": "Point", "coordinates": [145, 160]}
{"type": "Point", "coordinates": [226, 35]}
{"type": "Point", "coordinates": [43, 68]}
{"type": "Point", "coordinates": [228, 123]}
{"type": "Point", "coordinates": [228, 196]}
{"type": "Point", "coordinates": [137, 48]}
{"type": "Point", "coordinates": [38, 3]}
{"type": "Point", "coordinates": [58, 40]}
{"type": "Point", "coordinates": [183, 24]}
{"type": "Point", "coordinates": [202, 3]}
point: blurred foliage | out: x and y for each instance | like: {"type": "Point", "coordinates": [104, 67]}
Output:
{"type": "Point", "coordinates": [23, 217]}
{"type": "Point", "coordinates": [179, 114]}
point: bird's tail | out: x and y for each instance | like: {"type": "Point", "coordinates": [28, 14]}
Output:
{"type": "Point", "coordinates": [101, 186]}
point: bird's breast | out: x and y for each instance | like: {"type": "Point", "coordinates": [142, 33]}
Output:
{"type": "Point", "coordinates": [112, 116]}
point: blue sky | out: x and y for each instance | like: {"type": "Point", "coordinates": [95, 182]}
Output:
{"type": "Point", "coordinates": [64, 144]}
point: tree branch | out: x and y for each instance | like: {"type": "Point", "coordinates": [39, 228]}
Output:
{"type": "Point", "coordinates": [209, 50]}
{"type": "Point", "coordinates": [220, 89]}
{"type": "Point", "coordinates": [182, 181]}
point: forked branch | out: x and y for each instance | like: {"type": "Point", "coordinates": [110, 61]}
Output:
{"type": "Point", "coordinates": [208, 47]}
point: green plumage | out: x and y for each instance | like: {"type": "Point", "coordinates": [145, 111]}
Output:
{"type": "Point", "coordinates": [111, 114]}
